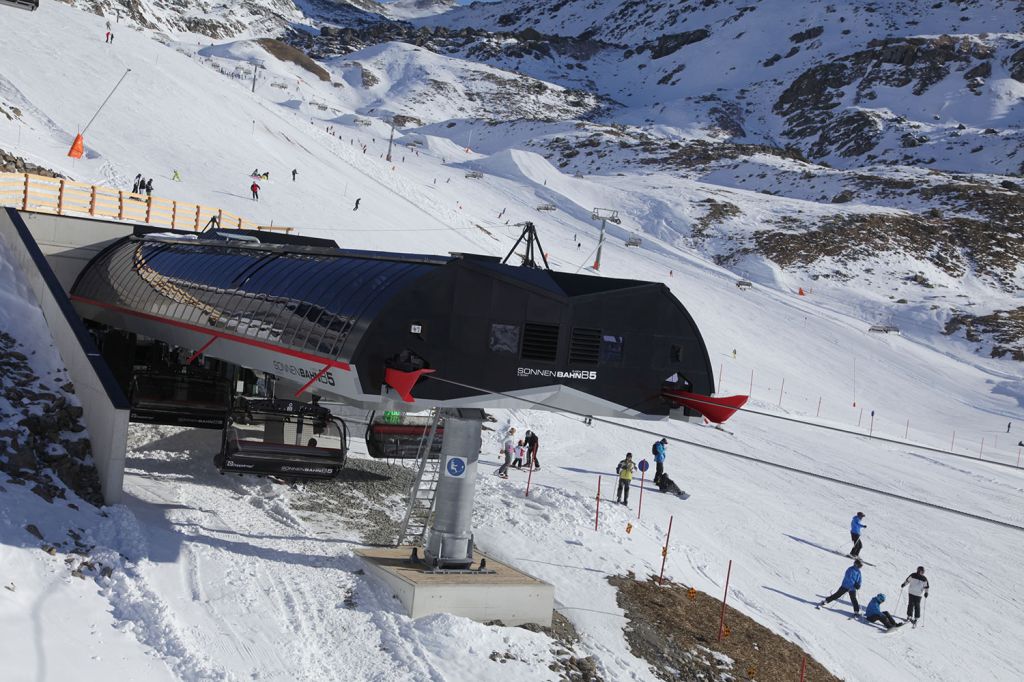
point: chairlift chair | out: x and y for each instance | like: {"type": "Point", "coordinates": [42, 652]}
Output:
{"type": "Point", "coordinates": [393, 435]}
{"type": "Point", "coordinates": [475, 175]}
{"type": "Point", "coordinates": [633, 240]}
{"type": "Point", "coordinates": [744, 284]}
{"type": "Point", "coordinates": [194, 399]}
{"type": "Point", "coordinates": [284, 438]}
{"type": "Point", "coordinates": [546, 207]}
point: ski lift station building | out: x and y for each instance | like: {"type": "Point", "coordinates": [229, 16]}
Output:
{"type": "Point", "coordinates": [348, 324]}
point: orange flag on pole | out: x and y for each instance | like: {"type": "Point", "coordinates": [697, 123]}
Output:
{"type": "Point", "coordinates": [77, 147]}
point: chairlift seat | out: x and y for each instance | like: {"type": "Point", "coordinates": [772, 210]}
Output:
{"type": "Point", "coordinates": [634, 241]}
{"type": "Point", "coordinates": [30, 5]}
{"type": "Point", "coordinates": [744, 284]}
{"type": "Point", "coordinates": [401, 441]}
{"type": "Point", "coordinates": [280, 459]}
{"type": "Point", "coordinates": [884, 329]}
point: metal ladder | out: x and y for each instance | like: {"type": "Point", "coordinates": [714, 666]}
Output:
{"type": "Point", "coordinates": [422, 492]}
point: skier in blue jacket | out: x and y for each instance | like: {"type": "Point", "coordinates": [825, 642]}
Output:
{"type": "Point", "coordinates": [851, 583]}
{"type": "Point", "coordinates": [856, 528]}
{"type": "Point", "coordinates": [658, 450]}
{"type": "Point", "coordinates": [874, 613]}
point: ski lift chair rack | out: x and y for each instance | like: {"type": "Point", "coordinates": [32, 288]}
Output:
{"type": "Point", "coordinates": [884, 329]}
{"type": "Point", "coordinates": [174, 399]}
{"type": "Point", "coordinates": [265, 457]}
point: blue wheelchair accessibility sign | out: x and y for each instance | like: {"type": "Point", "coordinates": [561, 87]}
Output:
{"type": "Point", "coordinates": [455, 467]}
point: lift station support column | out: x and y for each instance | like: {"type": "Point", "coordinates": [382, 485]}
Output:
{"type": "Point", "coordinates": [450, 540]}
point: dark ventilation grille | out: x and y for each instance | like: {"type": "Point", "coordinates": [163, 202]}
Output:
{"type": "Point", "coordinates": [585, 346]}
{"type": "Point", "coordinates": [540, 342]}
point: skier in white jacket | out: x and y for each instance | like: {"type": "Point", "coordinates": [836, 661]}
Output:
{"type": "Point", "coordinates": [918, 588]}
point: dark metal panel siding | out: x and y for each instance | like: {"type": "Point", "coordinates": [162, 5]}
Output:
{"type": "Point", "coordinates": [312, 301]}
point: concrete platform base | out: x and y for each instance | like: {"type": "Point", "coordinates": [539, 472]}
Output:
{"type": "Point", "coordinates": [508, 595]}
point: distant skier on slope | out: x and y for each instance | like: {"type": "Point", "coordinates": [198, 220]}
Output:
{"type": "Point", "coordinates": [625, 470]}
{"type": "Point", "coordinates": [137, 184]}
{"type": "Point", "coordinates": [851, 583]}
{"type": "Point", "coordinates": [255, 189]}
{"type": "Point", "coordinates": [874, 613]}
{"type": "Point", "coordinates": [856, 528]}
{"type": "Point", "coordinates": [356, 207]}
{"type": "Point", "coordinates": [658, 450]}
{"type": "Point", "coordinates": [294, 173]}
{"type": "Point", "coordinates": [918, 588]}
{"type": "Point", "coordinates": [176, 176]}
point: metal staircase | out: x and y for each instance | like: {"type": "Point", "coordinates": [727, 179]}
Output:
{"type": "Point", "coordinates": [423, 490]}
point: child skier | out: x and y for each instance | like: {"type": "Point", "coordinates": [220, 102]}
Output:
{"type": "Point", "coordinates": [520, 451]}
{"type": "Point", "coordinates": [874, 613]}
{"type": "Point", "coordinates": [851, 583]}
{"type": "Point", "coordinates": [624, 469]}
{"type": "Point", "coordinates": [918, 588]}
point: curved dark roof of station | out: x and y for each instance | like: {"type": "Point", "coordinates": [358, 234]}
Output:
{"type": "Point", "coordinates": [305, 297]}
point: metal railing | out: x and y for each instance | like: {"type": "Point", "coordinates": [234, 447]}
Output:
{"type": "Point", "coordinates": [40, 194]}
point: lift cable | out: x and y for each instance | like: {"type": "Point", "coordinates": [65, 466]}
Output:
{"type": "Point", "coordinates": [839, 429]}
{"type": "Point", "coordinates": [748, 458]}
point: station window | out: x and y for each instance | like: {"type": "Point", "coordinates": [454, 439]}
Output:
{"type": "Point", "coordinates": [611, 348]}
{"type": "Point", "coordinates": [504, 338]}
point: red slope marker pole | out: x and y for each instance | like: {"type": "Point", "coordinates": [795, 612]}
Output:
{"type": "Point", "coordinates": [906, 433]}
{"type": "Point", "coordinates": [780, 390]}
{"type": "Point", "coordinates": [981, 450]}
{"type": "Point", "coordinates": [597, 511]}
{"type": "Point", "coordinates": [721, 620]}
{"type": "Point", "coordinates": [803, 667]}
{"type": "Point", "coordinates": [640, 504]}
{"type": "Point", "coordinates": [529, 477]}
{"type": "Point", "coordinates": [952, 441]}
{"type": "Point", "coordinates": [721, 366]}
{"type": "Point", "coordinates": [818, 413]}
{"type": "Point", "coordinates": [664, 552]}
{"type": "Point", "coordinates": [1018, 457]}
{"type": "Point", "coordinates": [750, 391]}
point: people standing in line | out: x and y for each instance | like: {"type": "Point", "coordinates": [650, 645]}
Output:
{"type": "Point", "coordinates": [255, 189]}
{"type": "Point", "coordinates": [874, 613]}
{"type": "Point", "coordinates": [918, 588]}
{"type": "Point", "coordinates": [295, 172]}
{"type": "Point", "coordinates": [149, 187]}
{"type": "Point", "coordinates": [506, 450]}
{"type": "Point", "coordinates": [520, 453]}
{"type": "Point", "coordinates": [624, 469]}
{"type": "Point", "coordinates": [356, 207]}
{"type": "Point", "coordinates": [532, 445]}
{"type": "Point", "coordinates": [138, 182]}
{"type": "Point", "coordinates": [857, 527]}
{"type": "Point", "coordinates": [658, 450]}
{"type": "Point", "coordinates": [851, 583]}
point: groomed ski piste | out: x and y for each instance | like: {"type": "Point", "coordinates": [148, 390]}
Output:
{"type": "Point", "coordinates": [233, 578]}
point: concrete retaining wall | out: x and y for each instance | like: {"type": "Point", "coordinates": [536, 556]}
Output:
{"type": "Point", "coordinates": [104, 403]}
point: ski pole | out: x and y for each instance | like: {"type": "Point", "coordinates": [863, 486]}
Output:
{"type": "Point", "coordinates": [899, 599]}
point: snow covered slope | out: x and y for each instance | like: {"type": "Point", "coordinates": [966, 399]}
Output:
{"type": "Point", "coordinates": [216, 578]}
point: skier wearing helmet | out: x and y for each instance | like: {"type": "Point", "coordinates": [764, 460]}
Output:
{"type": "Point", "coordinates": [918, 588]}
{"type": "Point", "coordinates": [851, 583]}
{"type": "Point", "coordinates": [856, 528]}
{"type": "Point", "coordinates": [874, 613]}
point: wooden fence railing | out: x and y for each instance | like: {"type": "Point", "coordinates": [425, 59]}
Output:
{"type": "Point", "coordinates": [41, 194]}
